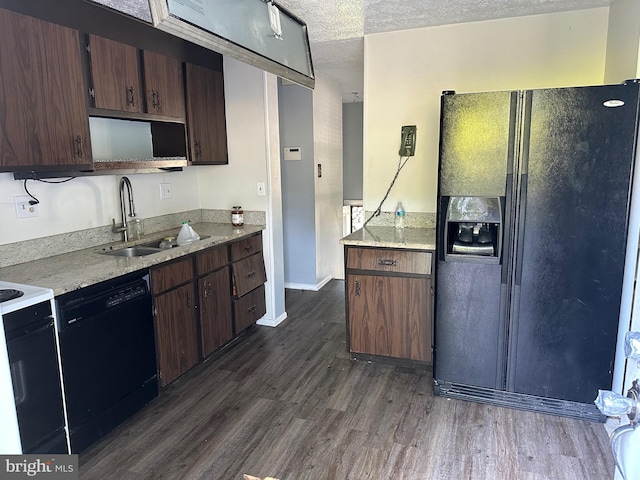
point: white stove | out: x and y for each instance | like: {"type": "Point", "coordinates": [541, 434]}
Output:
{"type": "Point", "coordinates": [30, 296]}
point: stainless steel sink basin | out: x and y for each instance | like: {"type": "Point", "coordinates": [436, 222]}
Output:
{"type": "Point", "coordinates": [139, 251]}
{"type": "Point", "coordinates": [156, 243]}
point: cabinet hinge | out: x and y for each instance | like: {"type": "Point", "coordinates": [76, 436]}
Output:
{"type": "Point", "coordinates": [87, 47]}
{"type": "Point", "coordinates": [92, 93]}
{"type": "Point", "coordinates": [155, 311]}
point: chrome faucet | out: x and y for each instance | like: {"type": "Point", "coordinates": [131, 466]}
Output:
{"type": "Point", "coordinates": [124, 183]}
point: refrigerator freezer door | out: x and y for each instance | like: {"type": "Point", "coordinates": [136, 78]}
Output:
{"type": "Point", "coordinates": [573, 230]}
{"type": "Point", "coordinates": [476, 155]}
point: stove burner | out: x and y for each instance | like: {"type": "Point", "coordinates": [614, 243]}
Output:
{"type": "Point", "coordinates": [9, 294]}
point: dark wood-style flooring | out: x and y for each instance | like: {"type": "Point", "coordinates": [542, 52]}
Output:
{"type": "Point", "coordinates": [289, 403]}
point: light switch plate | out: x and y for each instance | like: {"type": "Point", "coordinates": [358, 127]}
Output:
{"type": "Point", "coordinates": [165, 191]}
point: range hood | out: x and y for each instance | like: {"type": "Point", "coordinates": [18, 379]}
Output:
{"type": "Point", "coordinates": [256, 32]}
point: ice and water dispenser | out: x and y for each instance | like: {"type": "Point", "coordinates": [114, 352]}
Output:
{"type": "Point", "coordinates": [473, 229]}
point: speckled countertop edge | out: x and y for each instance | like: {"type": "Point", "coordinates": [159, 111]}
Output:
{"type": "Point", "coordinates": [74, 270]}
{"type": "Point", "coordinates": [389, 237]}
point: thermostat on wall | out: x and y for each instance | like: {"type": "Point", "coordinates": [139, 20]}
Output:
{"type": "Point", "coordinates": [293, 153]}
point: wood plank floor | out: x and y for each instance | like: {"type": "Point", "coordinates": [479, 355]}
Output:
{"type": "Point", "coordinates": [288, 402]}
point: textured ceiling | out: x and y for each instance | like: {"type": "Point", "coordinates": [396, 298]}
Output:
{"type": "Point", "coordinates": [337, 28]}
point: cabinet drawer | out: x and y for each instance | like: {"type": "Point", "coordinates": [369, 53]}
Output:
{"type": "Point", "coordinates": [248, 274]}
{"type": "Point", "coordinates": [248, 309]}
{"type": "Point", "coordinates": [389, 260]}
{"type": "Point", "coordinates": [246, 247]}
{"type": "Point", "coordinates": [169, 276]}
{"type": "Point", "coordinates": [211, 260]}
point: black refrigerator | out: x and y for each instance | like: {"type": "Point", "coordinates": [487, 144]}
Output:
{"type": "Point", "coordinates": [534, 194]}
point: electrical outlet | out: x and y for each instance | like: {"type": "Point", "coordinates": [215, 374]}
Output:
{"type": "Point", "coordinates": [165, 191]}
{"type": "Point", "coordinates": [261, 189]}
{"type": "Point", "coordinates": [24, 209]}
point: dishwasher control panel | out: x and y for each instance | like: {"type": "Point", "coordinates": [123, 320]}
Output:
{"type": "Point", "coordinates": [126, 294]}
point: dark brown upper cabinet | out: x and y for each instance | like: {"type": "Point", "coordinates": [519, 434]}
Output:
{"type": "Point", "coordinates": [164, 85]}
{"type": "Point", "coordinates": [115, 75]}
{"type": "Point", "coordinates": [206, 124]}
{"type": "Point", "coordinates": [125, 79]}
{"type": "Point", "coordinates": [43, 115]}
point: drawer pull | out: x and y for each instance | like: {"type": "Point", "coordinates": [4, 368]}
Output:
{"type": "Point", "coordinates": [388, 262]}
{"type": "Point", "coordinates": [252, 273]}
{"type": "Point", "coordinates": [251, 309]}
{"type": "Point", "coordinates": [357, 288]}
{"type": "Point", "coordinates": [248, 248]}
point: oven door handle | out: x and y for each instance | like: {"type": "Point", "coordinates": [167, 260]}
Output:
{"type": "Point", "coordinates": [19, 382]}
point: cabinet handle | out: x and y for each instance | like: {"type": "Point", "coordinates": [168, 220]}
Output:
{"type": "Point", "coordinates": [248, 248]}
{"type": "Point", "coordinates": [251, 273]}
{"type": "Point", "coordinates": [155, 98]}
{"type": "Point", "coordinates": [251, 309]}
{"type": "Point", "coordinates": [197, 148]}
{"type": "Point", "coordinates": [207, 289]}
{"type": "Point", "coordinates": [79, 147]}
{"type": "Point", "coordinates": [357, 288]}
{"type": "Point", "coordinates": [388, 262]}
{"type": "Point", "coordinates": [131, 100]}
{"type": "Point", "coordinates": [188, 299]}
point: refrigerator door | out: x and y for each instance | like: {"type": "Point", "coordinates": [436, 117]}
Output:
{"type": "Point", "coordinates": [476, 155]}
{"type": "Point", "coordinates": [572, 229]}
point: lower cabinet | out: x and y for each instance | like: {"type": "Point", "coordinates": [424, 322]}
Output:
{"type": "Point", "coordinates": [176, 333]}
{"type": "Point", "coordinates": [174, 308]}
{"type": "Point", "coordinates": [215, 310]}
{"type": "Point", "coordinates": [249, 308]}
{"type": "Point", "coordinates": [248, 276]}
{"type": "Point", "coordinates": [389, 303]}
{"type": "Point", "coordinates": [198, 307]}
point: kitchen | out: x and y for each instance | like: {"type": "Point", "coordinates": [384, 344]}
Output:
{"type": "Point", "coordinates": [573, 52]}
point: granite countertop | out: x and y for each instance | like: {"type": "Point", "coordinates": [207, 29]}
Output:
{"type": "Point", "coordinates": [74, 270]}
{"type": "Point", "coordinates": [390, 237]}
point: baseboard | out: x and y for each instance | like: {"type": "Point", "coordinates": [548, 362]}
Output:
{"type": "Point", "coordinates": [308, 286]}
{"type": "Point", "coordinates": [267, 322]}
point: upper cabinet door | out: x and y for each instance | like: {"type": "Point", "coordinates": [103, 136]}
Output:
{"type": "Point", "coordinates": [43, 111]}
{"type": "Point", "coordinates": [115, 75]}
{"type": "Point", "coordinates": [164, 86]}
{"type": "Point", "coordinates": [206, 116]}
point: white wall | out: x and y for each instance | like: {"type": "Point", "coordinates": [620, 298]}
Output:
{"type": "Point", "coordinates": [406, 71]}
{"type": "Point", "coordinates": [87, 202]}
{"type": "Point", "coordinates": [623, 43]}
{"type": "Point", "coordinates": [327, 139]}
{"type": "Point", "coordinates": [252, 136]}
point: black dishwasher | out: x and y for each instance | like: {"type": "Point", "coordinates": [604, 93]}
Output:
{"type": "Point", "coordinates": [107, 346]}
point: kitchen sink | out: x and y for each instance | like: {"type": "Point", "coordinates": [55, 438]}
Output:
{"type": "Point", "coordinates": [142, 249]}
{"type": "Point", "coordinates": [139, 251]}
{"type": "Point", "coordinates": [156, 243]}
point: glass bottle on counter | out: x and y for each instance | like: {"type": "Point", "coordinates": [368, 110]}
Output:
{"type": "Point", "coordinates": [237, 216]}
{"type": "Point", "coordinates": [399, 217]}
